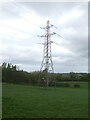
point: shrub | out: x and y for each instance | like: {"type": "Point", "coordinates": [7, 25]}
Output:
{"type": "Point", "coordinates": [77, 86]}
{"type": "Point", "coordinates": [62, 84]}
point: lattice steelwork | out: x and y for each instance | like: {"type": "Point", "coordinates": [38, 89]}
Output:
{"type": "Point", "coordinates": [47, 64]}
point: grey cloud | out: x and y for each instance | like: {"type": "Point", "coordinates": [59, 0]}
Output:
{"type": "Point", "coordinates": [29, 55]}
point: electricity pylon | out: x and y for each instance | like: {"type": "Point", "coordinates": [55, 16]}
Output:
{"type": "Point", "coordinates": [47, 64]}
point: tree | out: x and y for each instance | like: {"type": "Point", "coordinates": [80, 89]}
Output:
{"type": "Point", "coordinates": [13, 68]}
{"type": "Point", "coordinates": [4, 65]}
{"type": "Point", "coordinates": [72, 76]}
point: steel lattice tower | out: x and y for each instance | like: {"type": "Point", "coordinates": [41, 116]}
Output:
{"type": "Point", "coordinates": [47, 64]}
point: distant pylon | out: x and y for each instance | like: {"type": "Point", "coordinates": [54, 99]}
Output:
{"type": "Point", "coordinates": [47, 64]}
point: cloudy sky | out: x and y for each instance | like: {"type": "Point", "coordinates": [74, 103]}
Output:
{"type": "Point", "coordinates": [20, 24]}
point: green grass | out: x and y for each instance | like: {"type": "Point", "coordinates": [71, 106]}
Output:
{"type": "Point", "coordinates": [21, 101]}
{"type": "Point", "coordinates": [0, 100]}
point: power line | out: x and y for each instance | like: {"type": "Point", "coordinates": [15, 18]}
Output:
{"type": "Point", "coordinates": [19, 6]}
{"type": "Point", "coordinates": [29, 21]}
{"type": "Point", "coordinates": [27, 11]}
{"type": "Point", "coordinates": [51, 42]}
{"type": "Point", "coordinates": [56, 43]}
{"type": "Point", "coordinates": [18, 30]}
{"type": "Point", "coordinates": [47, 64]}
{"type": "Point", "coordinates": [11, 36]}
{"type": "Point", "coordinates": [59, 35]}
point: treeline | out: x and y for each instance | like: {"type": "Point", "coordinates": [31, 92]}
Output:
{"type": "Point", "coordinates": [72, 76]}
{"type": "Point", "coordinates": [11, 74]}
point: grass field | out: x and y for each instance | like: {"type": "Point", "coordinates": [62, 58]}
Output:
{"type": "Point", "coordinates": [21, 101]}
{"type": "Point", "coordinates": [0, 100]}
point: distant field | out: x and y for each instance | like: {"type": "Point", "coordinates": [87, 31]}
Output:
{"type": "Point", "coordinates": [21, 101]}
{"type": "Point", "coordinates": [0, 100]}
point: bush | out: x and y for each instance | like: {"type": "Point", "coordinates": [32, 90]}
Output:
{"type": "Point", "coordinates": [77, 86]}
{"type": "Point", "coordinates": [62, 84]}
{"type": "Point", "coordinates": [52, 84]}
